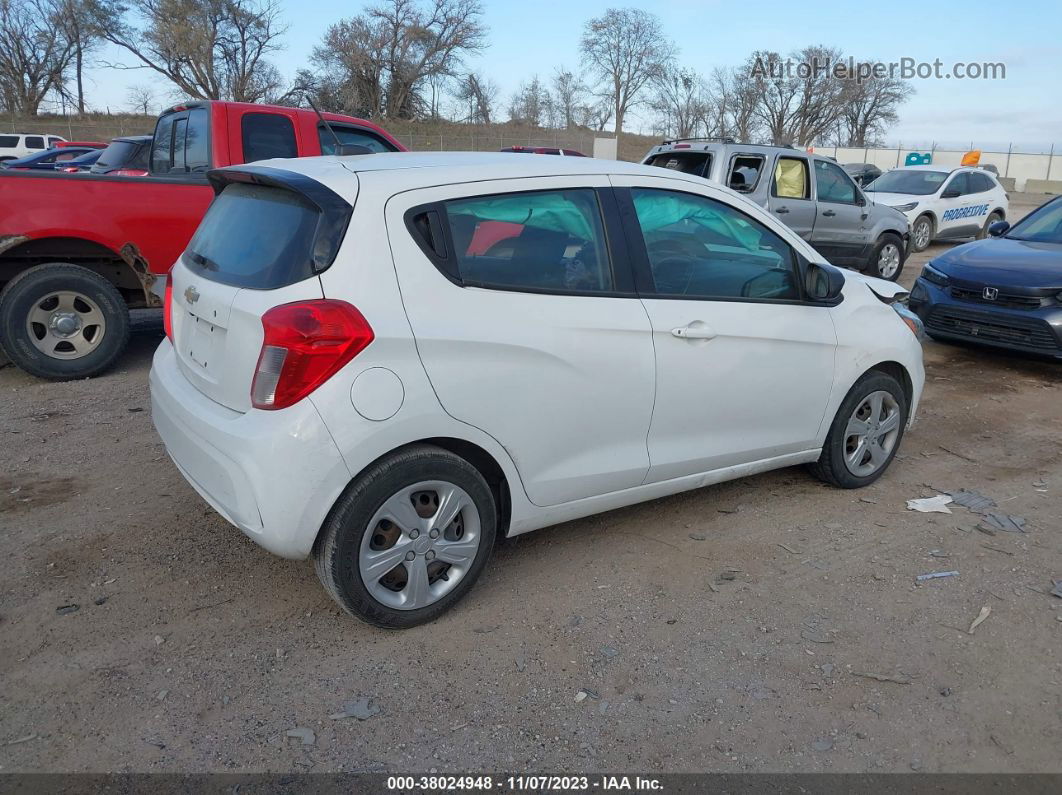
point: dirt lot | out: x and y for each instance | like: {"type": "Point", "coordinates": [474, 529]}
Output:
{"type": "Point", "coordinates": [724, 629]}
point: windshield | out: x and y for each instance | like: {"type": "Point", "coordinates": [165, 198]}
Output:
{"type": "Point", "coordinates": [901, 180]}
{"type": "Point", "coordinates": [1041, 226]}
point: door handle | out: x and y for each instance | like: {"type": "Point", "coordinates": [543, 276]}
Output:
{"type": "Point", "coordinates": [694, 331]}
{"type": "Point", "coordinates": [829, 213]}
{"type": "Point", "coordinates": [782, 210]}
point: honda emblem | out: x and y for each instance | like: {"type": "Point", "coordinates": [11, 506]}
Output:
{"type": "Point", "coordinates": [191, 295]}
{"type": "Point", "coordinates": [990, 293]}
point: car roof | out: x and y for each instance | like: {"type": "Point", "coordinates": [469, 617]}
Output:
{"type": "Point", "coordinates": [468, 166]}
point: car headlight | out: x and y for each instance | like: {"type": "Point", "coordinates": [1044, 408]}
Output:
{"type": "Point", "coordinates": [910, 319]}
{"type": "Point", "coordinates": [932, 275]}
{"type": "Point", "coordinates": [906, 208]}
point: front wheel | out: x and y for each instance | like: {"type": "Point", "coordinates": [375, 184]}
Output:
{"type": "Point", "coordinates": [865, 433]}
{"type": "Point", "coordinates": [62, 321]}
{"type": "Point", "coordinates": [886, 258]}
{"type": "Point", "coordinates": [922, 233]}
{"type": "Point", "coordinates": [408, 538]}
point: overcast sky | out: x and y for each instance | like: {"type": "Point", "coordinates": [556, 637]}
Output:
{"type": "Point", "coordinates": [528, 38]}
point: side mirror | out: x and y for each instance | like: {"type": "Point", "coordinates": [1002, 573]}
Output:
{"type": "Point", "coordinates": [950, 194]}
{"type": "Point", "coordinates": [999, 228]}
{"type": "Point", "coordinates": [823, 282]}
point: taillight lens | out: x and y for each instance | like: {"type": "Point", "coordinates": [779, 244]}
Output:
{"type": "Point", "coordinates": [167, 310]}
{"type": "Point", "coordinates": [305, 344]}
{"type": "Point", "coordinates": [128, 172]}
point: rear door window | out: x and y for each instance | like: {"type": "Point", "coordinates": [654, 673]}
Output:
{"type": "Point", "coordinates": [34, 142]}
{"type": "Point", "coordinates": [791, 179]}
{"type": "Point", "coordinates": [255, 236]}
{"type": "Point", "coordinates": [979, 183]}
{"type": "Point", "coordinates": [267, 135]}
{"type": "Point", "coordinates": [550, 241]}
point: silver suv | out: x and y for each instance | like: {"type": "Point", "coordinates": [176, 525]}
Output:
{"type": "Point", "coordinates": [810, 193]}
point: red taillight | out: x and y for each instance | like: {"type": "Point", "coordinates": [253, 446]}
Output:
{"type": "Point", "coordinates": [128, 172]}
{"type": "Point", "coordinates": [167, 310]}
{"type": "Point", "coordinates": [305, 344]}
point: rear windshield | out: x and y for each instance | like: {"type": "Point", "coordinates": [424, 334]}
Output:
{"type": "Point", "coordinates": [117, 154]}
{"type": "Point", "coordinates": [255, 236]}
{"type": "Point", "coordinates": [699, 163]}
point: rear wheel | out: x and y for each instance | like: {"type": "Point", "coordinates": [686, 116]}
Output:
{"type": "Point", "coordinates": [996, 216]}
{"type": "Point", "coordinates": [865, 434]}
{"type": "Point", "coordinates": [408, 538]}
{"type": "Point", "coordinates": [886, 258]}
{"type": "Point", "coordinates": [62, 321]}
{"type": "Point", "coordinates": [922, 233]}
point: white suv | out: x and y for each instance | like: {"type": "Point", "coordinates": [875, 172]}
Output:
{"type": "Point", "coordinates": [16, 145]}
{"type": "Point", "coordinates": [386, 361]}
{"type": "Point", "coordinates": [942, 203]}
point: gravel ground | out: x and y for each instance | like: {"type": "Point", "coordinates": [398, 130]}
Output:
{"type": "Point", "coordinates": [767, 624]}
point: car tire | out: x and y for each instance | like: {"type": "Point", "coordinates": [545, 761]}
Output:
{"type": "Point", "coordinates": [992, 218]}
{"type": "Point", "coordinates": [920, 240]}
{"type": "Point", "coordinates": [841, 463]}
{"type": "Point", "coordinates": [886, 258]}
{"type": "Point", "coordinates": [382, 519]}
{"type": "Point", "coordinates": [61, 321]}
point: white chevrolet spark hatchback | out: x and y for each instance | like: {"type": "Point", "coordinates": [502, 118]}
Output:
{"type": "Point", "coordinates": [387, 361]}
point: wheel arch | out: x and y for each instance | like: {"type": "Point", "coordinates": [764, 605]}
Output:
{"type": "Point", "coordinates": [899, 372]}
{"type": "Point", "coordinates": [125, 269]}
{"type": "Point", "coordinates": [485, 463]}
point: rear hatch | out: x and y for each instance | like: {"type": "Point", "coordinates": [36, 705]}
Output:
{"type": "Point", "coordinates": [262, 243]}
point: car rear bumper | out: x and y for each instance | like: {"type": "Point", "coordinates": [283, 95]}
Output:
{"type": "Point", "coordinates": [273, 474]}
{"type": "Point", "coordinates": [1032, 331]}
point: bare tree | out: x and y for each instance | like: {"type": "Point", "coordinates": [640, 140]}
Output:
{"type": "Point", "coordinates": [567, 95]}
{"type": "Point", "coordinates": [625, 50]}
{"type": "Point", "coordinates": [35, 53]}
{"type": "Point", "coordinates": [731, 104]}
{"type": "Point", "coordinates": [78, 25]}
{"type": "Point", "coordinates": [799, 98]}
{"type": "Point", "coordinates": [530, 104]}
{"type": "Point", "coordinates": [209, 49]}
{"type": "Point", "coordinates": [869, 106]}
{"type": "Point", "coordinates": [478, 95]}
{"type": "Point", "coordinates": [141, 99]}
{"type": "Point", "coordinates": [680, 100]}
{"type": "Point", "coordinates": [382, 60]}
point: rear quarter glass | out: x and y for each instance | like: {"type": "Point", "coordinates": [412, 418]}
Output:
{"type": "Point", "coordinates": [255, 236]}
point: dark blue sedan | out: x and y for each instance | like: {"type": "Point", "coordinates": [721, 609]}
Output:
{"type": "Point", "coordinates": [1004, 291]}
{"type": "Point", "coordinates": [49, 159]}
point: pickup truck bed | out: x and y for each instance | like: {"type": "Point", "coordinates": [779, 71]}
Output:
{"type": "Point", "coordinates": [78, 250]}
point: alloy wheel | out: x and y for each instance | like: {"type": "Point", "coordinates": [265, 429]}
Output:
{"type": "Point", "coordinates": [419, 545]}
{"type": "Point", "coordinates": [889, 261]}
{"type": "Point", "coordinates": [921, 234]}
{"type": "Point", "coordinates": [871, 434]}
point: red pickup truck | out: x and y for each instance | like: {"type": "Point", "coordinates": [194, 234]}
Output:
{"type": "Point", "coordinates": [78, 251]}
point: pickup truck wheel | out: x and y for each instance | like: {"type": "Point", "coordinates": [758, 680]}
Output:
{"type": "Point", "coordinates": [886, 258]}
{"type": "Point", "coordinates": [62, 321]}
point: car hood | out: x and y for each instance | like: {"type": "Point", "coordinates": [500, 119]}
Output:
{"type": "Point", "coordinates": [1004, 262]}
{"type": "Point", "coordinates": [881, 287]}
{"type": "Point", "coordinates": [894, 199]}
